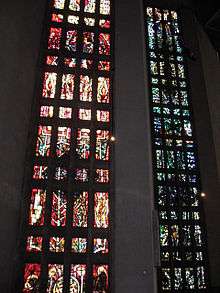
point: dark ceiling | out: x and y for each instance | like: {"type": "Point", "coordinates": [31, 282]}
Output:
{"type": "Point", "coordinates": [208, 14]}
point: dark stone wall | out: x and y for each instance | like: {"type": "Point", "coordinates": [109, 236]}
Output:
{"type": "Point", "coordinates": [20, 32]}
{"type": "Point", "coordinates": [134, 265]}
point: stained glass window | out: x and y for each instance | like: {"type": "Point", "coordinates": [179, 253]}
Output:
{"type": "Point", "coordinates": [69, 193]}
{"type": "Point", "coordinates": [175, 159]}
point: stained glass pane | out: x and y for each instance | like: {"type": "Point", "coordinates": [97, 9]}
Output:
{"type": "Point", "coordinates": [86, 64]}
{"type": "Point", "coordinates": [104, 65]}
{"type": "Point", "coordinates": [89, 21]}
{"type": "Point", "coordinates": [105, 7]}
{"type": "Point", "coordinates": [54, 38]}
{"type": "Point", "coordinates": [103, 93]}
{"type": "Point", "coordinates": [102, 116]}
{"type": "Point", "coordinates": [100, 245]}
{"type": "Point", "coordinates": [100, 278]}
{"type": "Point", "coordinates": [67, 87]}
{"type": "Point", "coordinates": [60, 173]}
{"type": "Point", "coordinates": [101, 210]}
{"type": "Point", "coordinates": [102, 176]}
{"type": "Point", "coordinates": [63, 141]}
{"type": "Point", "coordinates": [79, 245]}
{"type": "Point", "coordinates": [57, 17]}
{"type": "Point", "coordinates": [52, 60]}
{"type": "Point", "coordinates": [71, 40]}
{"type": "Point", "coordinates": [59, 4]}
{"type": "Point", "coordinates": [32, 278]}
{"type": "Point", "coordinates": [80, 209]}
{"type": "Point", "coordinates": [82, 175]}
{"type": "Point", "coordinates": [104, 44]}
{"type": "Point", "coordinates": [49, 85]}
{"type": "Point", "coordinates": [85, 88]}
{"type": "Point", "coordinates": [84, 114]}
{"type": "Point", "coordinates": [65, 113]}
{"type": "Point", "coordinates": [37, 207]}
{"type": "Point", "coordinates": [88, 42]}
{"type": "Point", "coordinates": [70, 62]}
{"type": "Point", "coordinates": [89, 6]}
{"type": "Point", "coordinates": [77, 278]}
{"type": "Point", "coordinates": [56, 244]}
{"type": "Point", "coordinates": [40, 172]}
{"type": "Point", "coordinates": [74, 5]}
{"type": "Point", "coordinates": [73, 19]}
{"type": "Point", "coordinates": [55, 278]}
{"type": "Point", "coordinates": [83, 143]}
{"type": "Point", "coordinates": [102, 145]}
{"type": "Point", "coordinates": [46, 111]}
{"type": "Point", "coordinates": [58, 214]}
{"type": "Point", "coordinates": [34, 244]}
{"type": "Point", "coordinates": [104, 23]}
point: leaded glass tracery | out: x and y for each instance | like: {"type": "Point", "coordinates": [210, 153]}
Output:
{"type": "Point", "coordinates": [67, 239]}
{"type": "Point", "coordinates": [175, 162]}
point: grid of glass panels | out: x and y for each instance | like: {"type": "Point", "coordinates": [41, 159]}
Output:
{"type": "Point", "coordinates": [175, 162]}
{"type": "Point", "coordinates": [67, 227]}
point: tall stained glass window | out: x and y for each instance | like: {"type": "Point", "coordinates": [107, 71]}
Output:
{"type": "Point", "coordinates": [175, 161]}
{"type": "Point", "coordinates": [67, 227]}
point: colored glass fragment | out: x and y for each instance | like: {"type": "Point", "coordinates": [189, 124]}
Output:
{"type": "Point", "coordinates": [55, 278]}
{"type": "Point", "coordinates": [79, 245]}
{"type": "Point", "coordinates": [100, 278]}
{"type": "Point", "coordinates": [32, 273]}
{"type": "Point", "coordinates": [67, 87]}
{"type": "Point", "coordinates": [101, 210]}
{"type": "Point", "coordinates": [49, 85]}
{"type": "Point", "coordinates": [104, 44]}
{"type": "Point", "coordinates": [40, 172]}
{"type": "Point", "coordinates": [80, 209]}
{"type": "Point", "coordinates": [100, 245]}
{"type": "Point", "coordinates": [63, 141]}
{"type": "Point", "coordinates": [58, 214]}
{"type": "Point", "coordinates": [54, 38]}
{"type": "Point", "coordinates": [37, 207]}
{"type": "Point", "coordinates": [102, 145]}
{"type": "Point", "coordinates": [103, 91]}
{"type": "Point", "coordinates": [85, 88]}
{"type": "Point", "coordinates": [56, 244]}
{"type": "Point", "coordinates": [34, 244]}
{"type": "Point", "coordinates": [77, 278]}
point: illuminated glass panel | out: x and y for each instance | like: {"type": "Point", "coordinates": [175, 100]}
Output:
{"type": "Point", "coordinates": [86, 64]}
{"type": "Point", "coordinates": [104, 44]}
{"type": "Point", "coordinates": [83, 143]}
{"type": "Point", "coordinates": [73, 19]}
{"type": "Point", "coordinates": [55, 278]}
{"type": "Point", "coordinates": [100, 278]}
{"type": "Point", "coordinates": [80, 209]}
{"type": "Point", "coordinates": [103, 94]}
{"type": "Point", "coordinates": [79, 245]}
{"type": "Point", "coordinates": [54, 38]}
{"type": "Point", "coordinates": [40, 172]}
{"type": "Point", "coordinates": [56, 244]}
{"type": "Point", "coordinates": [102, 145]}
{"type": "Point", "coordinates": [67, 87]}
{"type": "Point", "coordinates": [102, 116]}
{"type": "Point", "coordinates": [104, 65]}
{"type": "Point", "coordinates": [82, 175]}
{"type": "Point", "coordinates": [65, 113]}
{"type": "Point", "coordinates": [32, 273]}
{"type": "Point", "coordinates": [104, 23]}
{"type": "Point", "coordinates": [89, 21]}
{"type": "Point", "coordinates": [74, 5]}
{"type": "Point", "coordinates": [60, 173]}
{"type": "Point", "coordinates": [85, 88]}
{"type": "Point", "coordinates": [101, 210]}
{"type": "Point", "coordinates": [84, 114]}
{"type": "Point", "coordinates": [34, 244]}
{"type": "Point", "coordinates": [52, 60]}
{"type": "Point", "coordinates": [70, 62]}
{"type": "Point", "coordinates": [58, 213]}
{"type": "Point", "coordinates": [88, 40]}
{"type": "Point", "coordinates": [63, 141]}
{"type": "Point", "coordinates": [57, 17]}
{"type": "Point", "coordinates": [100, 245]}
{"type": "Point", "coordinates": [59, 4]}
{"type": "Point", "coordinates": [49, 85]}
{"type": "Point", "coordinates": [89, 6]}
{"type": "Point", "coordinates": [46, 111]}
{"type": "Point", "coordinates": [175, 160]}
{"type": "Point", "coordinates": [77, 278]}
{"type": "Point", "coordinates": [37, 207]}
{"type": "Point", "coordinates": [71, 39]}
{"type": "Point", "coordinates": [105, 7]}
{"type": "Point", "coordinates": [102, 176]}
